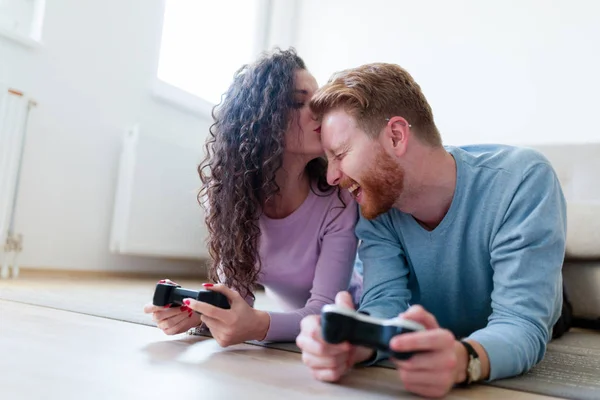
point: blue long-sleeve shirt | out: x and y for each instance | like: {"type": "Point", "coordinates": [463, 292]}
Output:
{"type": "Point", "coordinates": [491, 270]}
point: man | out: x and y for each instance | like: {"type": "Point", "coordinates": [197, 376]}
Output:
{"type": "Point", "coordinates": [468, 241]}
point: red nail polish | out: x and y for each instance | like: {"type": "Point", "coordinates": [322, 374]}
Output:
{"type": "Point", "coordinates": [190, 314]}
{"type": "Point", "coordinates": [183, 308]}
{"type": "Point", "coordinates": [187, 302]}
{"type": "Point", "coordinates": [167, 306]}
{"type": "Point", "coordinates": [162, 281]}
{"type": "Point", "coordinates": [208, 285]}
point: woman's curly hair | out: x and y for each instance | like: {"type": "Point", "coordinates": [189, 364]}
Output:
{"type": "Point", "coordinates": [244, 151]}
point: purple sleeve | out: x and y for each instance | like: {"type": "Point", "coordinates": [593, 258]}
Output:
{"type": "Point", "coordinates": [332, 272]}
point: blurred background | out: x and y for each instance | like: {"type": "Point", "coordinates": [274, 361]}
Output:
{"type": "Point", "coordinates": [105, 105]}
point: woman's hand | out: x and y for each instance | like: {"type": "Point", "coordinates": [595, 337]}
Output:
{"type": "Point", "coordinates": [173, 320]}
{"type": "Point", "coordinates": [236, 325]}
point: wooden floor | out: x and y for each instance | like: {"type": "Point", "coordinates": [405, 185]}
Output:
{"type": "Point", "coordinates": [47, 353]}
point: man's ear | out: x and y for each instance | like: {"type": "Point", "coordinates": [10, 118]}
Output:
{"type": "Point", "coordinates": [396, 135]}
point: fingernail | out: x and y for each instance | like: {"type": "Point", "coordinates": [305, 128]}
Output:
{"type": "Point", "coordinates": [191, 313]}
{"type": "Point", "coordinates": [208, 285]}
{"type": "Point", "coordinates": [167, 306]}
{"type": "Point", "coordinates": [183, 308]}
{"type": "Point", "coordinates": [187, 302]}
{"type": "Point", "coordinates": [162, 281]}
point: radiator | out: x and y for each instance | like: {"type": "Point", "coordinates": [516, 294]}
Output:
{"type": "Point", "coordinates": [14, 113]}
{"type": "Point", "coordinates": [155, 212]}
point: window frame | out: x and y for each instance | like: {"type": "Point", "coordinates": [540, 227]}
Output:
{"type": "Point", "coordinates": [189, 102]}
{"type": "Point", "coordinates": [33, 39]}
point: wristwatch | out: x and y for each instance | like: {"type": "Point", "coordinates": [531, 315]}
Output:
{"type": "Point", "coordinates": [473, 366]}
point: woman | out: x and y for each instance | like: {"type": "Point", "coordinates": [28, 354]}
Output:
{"type": "Point", "coordinates": [272, 218]}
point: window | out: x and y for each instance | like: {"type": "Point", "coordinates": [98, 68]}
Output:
{"type": "Point", "coordinates": [21, 20]}
{"type": "Point", "coordinates": [203, 43]}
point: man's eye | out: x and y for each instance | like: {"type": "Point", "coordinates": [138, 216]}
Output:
{"type": "Point", "coordinates": [338, 156]}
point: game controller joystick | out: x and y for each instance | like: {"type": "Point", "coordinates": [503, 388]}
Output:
{"type": "Point", "coordinates": [169, 293]}
{"type": "Point", "coordinates": [339, 324]}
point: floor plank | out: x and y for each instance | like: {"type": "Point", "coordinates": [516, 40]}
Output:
{"type": "Point", "coordinates": [55, 354]}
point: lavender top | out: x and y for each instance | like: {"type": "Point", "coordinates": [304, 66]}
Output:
{"type": "Point", "coordinates": [307, 258]}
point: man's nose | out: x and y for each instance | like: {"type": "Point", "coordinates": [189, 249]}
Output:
{"type": "Point", "coordinates": [333, 174]}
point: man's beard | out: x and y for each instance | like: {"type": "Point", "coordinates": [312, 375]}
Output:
{"type": "Point", "coordinates": [381, 186]}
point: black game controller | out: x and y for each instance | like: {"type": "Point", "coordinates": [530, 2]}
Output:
{"type": "Point", "coordinates": [172, 294]}
{"type": "Point", "coordinates": [339, 324]}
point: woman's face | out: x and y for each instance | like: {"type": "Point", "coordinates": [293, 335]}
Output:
{"type": "Point", "coordinates": [304, 132]}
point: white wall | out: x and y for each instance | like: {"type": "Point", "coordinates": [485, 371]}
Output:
{"type": "Point", "coordinates": [92, 79]}
{"type": "Point", "coordinates": [509, 71]}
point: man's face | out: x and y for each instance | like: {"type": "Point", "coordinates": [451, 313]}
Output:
{"type": "Point", "coordinates": [360, 164]}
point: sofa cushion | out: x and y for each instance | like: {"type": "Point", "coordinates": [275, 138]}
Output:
{"type": "Point", "coordinates": [582, 279]}
{"type": "Point", "coordinates": [583, 230]}
{"type": "Point", "coordinates": [578, 169]}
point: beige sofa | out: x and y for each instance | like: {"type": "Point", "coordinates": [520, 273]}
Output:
{"type": "Point", "coordinates": [578, 169]}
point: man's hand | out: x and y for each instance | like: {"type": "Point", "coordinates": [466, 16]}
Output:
{"type": "Point", "coordinates": [442, 362]}
{"type": "Point", "coordinates": [328, 362]}
{"type": "Point", "coordinates": [236, 325]}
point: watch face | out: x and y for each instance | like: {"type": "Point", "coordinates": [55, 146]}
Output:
{"type": "Point", "coordinates": [474, 369]}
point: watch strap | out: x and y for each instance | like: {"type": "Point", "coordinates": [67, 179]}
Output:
{"type": "Point", "coordinates": [472, 354]}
